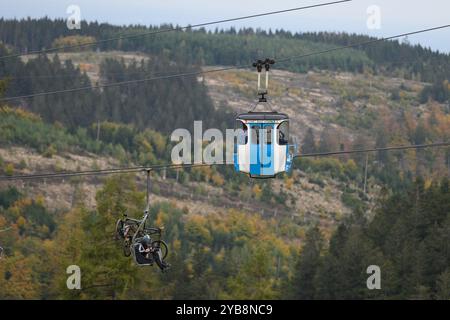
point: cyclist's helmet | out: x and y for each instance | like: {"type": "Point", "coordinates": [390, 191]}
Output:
{"type": "Point", "coordinates": [146, 239]}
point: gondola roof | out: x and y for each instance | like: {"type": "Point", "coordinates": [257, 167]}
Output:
{"type": "Point", "coordinates": [262, 116]}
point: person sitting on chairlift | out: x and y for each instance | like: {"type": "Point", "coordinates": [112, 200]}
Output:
{"type": "Point", "coordinates": [145, 248]}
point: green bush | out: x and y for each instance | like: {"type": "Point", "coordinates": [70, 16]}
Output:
{"type": "Point", "coordinates": [9, 169]}
{"type": "Point", "coordinates": [123, 142]}
{"type": "Point", "coordinates": [350, 200]}
{"type": "Point", "coordinates": [50, 151]}
{"type": "Point", "coordinates": [316, 180]}
{"type": "Point", "coordinates": [9, 196]}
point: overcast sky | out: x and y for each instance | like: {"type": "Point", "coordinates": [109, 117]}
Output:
{"type": "Point", "coordinates": [397, 16]}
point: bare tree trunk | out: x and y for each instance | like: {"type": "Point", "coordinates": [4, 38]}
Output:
{"type": "Point", "coordinates": [365, 172]}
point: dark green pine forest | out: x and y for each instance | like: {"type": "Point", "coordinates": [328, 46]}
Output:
{"type": "Point", "coordinates": [408, 239]}
{"type": "Point", "coordinates": [237, 255]}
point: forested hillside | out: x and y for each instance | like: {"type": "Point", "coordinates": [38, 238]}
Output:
{"type": "Point", "coordinates": [409, 239]}
{"type": "Point", "coordinates": [309, 234]}
{"type": "Point", "coordinates": [235, 47]}
{"type": "Point", "coordinates": [144, 105]}
{"type": "Point", "coordinates": [236, 255]}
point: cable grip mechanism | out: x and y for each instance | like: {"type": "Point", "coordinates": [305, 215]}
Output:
{"type": "Point", "coordinates": [259, 64]}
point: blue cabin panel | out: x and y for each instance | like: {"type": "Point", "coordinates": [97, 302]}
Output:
{"type": "Point", "coordinates": [264, 152]}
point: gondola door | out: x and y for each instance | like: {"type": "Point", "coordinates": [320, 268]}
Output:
{"type": "Point", "coordinates": [261, 149]}
{"type": "Point", "coordinates": [266, 149]}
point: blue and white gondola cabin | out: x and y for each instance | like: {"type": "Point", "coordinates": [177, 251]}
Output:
{"type": "Point", "coordinates": [262, 149]}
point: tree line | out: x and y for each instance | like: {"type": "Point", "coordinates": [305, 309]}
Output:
{"type": "Point", "coordinates": [159, 105]}
{"type": "Point", "coordinates": [235, 47]}
{"type": "Point", "coordinates": [408, 239]}
{"type": "Point", "coordinates": [232, 256]}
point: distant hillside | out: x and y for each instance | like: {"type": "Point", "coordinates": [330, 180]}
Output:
{"type": "Point", "coordinates": [161, 105]}
{"type": "Point", "coordinates": [30, 145]}
{"type": "Point", "coordinates": [235, 47]}
{"type": "Point", "coordinates": [307, 234]}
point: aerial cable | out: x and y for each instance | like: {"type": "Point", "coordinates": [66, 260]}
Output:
{"type": "Point", "coordinates": [68, 174]}
{"type": "Point", "coordinates": [115, 84]}
{"type": "Point", "coordinates": [195, 165]}
{"type": "Point", "coordinates": [196, 73]}
{"type": "Point", "coordinates": [332, 153]}
{"type": "Point", "coordinates": [130, 36]}
{"type": "Point", "coordinates": [82, 73]}
{"type": "Point", "coordinates": [363, 43]}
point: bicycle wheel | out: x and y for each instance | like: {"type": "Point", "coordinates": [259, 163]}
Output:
{"type": "Point", "coordinates": [126, 249]}
{"type": "Point", "coordinates": [163, 248]}
{"type": "Point", "coordinates": [119, 230]}
{"type": "Point", "coordinates": [160, 254]}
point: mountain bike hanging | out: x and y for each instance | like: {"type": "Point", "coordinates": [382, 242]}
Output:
{"type": "Point", "coordinates": [142, 242]}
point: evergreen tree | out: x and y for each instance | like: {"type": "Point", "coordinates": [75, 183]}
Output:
{"type": "Point", "coordinates": [302, 285]}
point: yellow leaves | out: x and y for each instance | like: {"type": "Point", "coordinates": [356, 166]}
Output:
{"type": "Point", "coordinates": [351, 165]}
{"type": "Point", "coordinates": [197, 219]}
{"type": "Point", "coordinates": [206, 250]}
{"type": "Point", "coordinates": [235, 79]}
{"type": "Point", "coordinates": [439, 121]}
{"type": "Point", "coordinates": [176, 245]}
{"type": "Point", "coordinates": [48, 245]}
{"type": "Point", "coordinates": [108, 126]}
{"type": "Point", "coordinates": [19, 112]}
{"type": "Point", "coordinates": [50, 151]}
{"type": "Point", "coordinates": [301, 233]}
{"type": "Point", "coordinates": [427, 183]}
{"type": "Point", "coordinates": [257, 191]}
{"type": "Point", "coordinates": [289, 182]}
{"type": "Point", "coordinates": [242, 226]}
{"type": "Point", "coordinates": [150, 144]}
{"type": "Point", "coordinates": [74, 41]}
{"type": "Point", "coordinates": [40, 200]}
{"type": "Point", "coordinates": [14, 211]}
{"type": "Point", "coordinates": [242, 81]}
{"type": "Point", "coordinates": [190, 269]}
{"type": "Point", "coordinates": [298, 92]}
{"type": "Point", "coordinates": [16, 279]}
{"type": "Point", "coordinates": [238, 226]}
{"type": "Point", "coordinates": [144, 144]}
{"type": "Point", "coordinates": [203, 171]}
{"type": "Point", "coordinates": [9, 169]}
{"type": "Point", "coordinates": [159, 221]}
{"type": "Point", "coordinates": [159, 142]}
{"type": "Point", "coordinates": [21, 222]}
{"type": "Point", "coordinates": [22, 203]}
{"type": "Point", "coordinates": [217, 179]}
{"type": "Point", "coordinates": [219, 257]}
{"type": "Point", "coordinates": [253, 280]}
{"type": "Point", "coordinates": [208, 174]}
{"type": "Point", "coordinates": [446, 84]}
{"type": "Point", "coordinates": [327, 233]}
{"type": "Point", "coordinates": [196, 229]}
{"type": "Point", "coordinates": [339, 216]}
{"type": "Point", "coordinates": [44, 230]}
{"type": "Point", "coordinates": [87, 67]}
